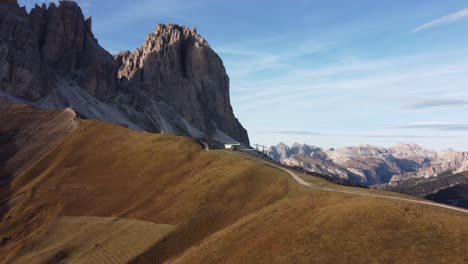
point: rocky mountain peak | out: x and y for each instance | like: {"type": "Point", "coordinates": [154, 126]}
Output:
{"type": "Point", "coordinates": [177, 65]}
{"type": "Point", "coordinates": [361, 151]}
{"type": "Point", "coordinates": [412, 152]}
{"type": "Point", "coordinates": [279, 152]}
{"type": "Point", "coordinates": [57, 42]}
{"type": "Point", "coordinates": [447, 151]}
{"type": "Point", "coordinates": [173, 83]}
{"type": "Point", "coordinates": [408, 146]}
{"type": "Point", "coordinates": [282, 145]}
{"type": "Point", "coordinates": [165, 37]}
{"type": "Point", "coordinates": [298, 145]}
{"type": "Point", "coordinates": [174, 33]}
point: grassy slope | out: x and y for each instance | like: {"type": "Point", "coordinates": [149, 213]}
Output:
{"type": "Point", "coordinates": [320, 182]}
{"type": "Point", "coordinates": [331, 229]}
{"type": "Point", "coordinates": [224, 208]}
{"type": "Point", "coordinates": [93, 240]}
{"type": "Point", "coordinates": [106, 170]}
{"type": "Point", "coordinates": [26, 134]}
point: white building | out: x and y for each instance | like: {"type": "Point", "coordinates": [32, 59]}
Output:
{"type": "Point", "coordinates": [232, 145]}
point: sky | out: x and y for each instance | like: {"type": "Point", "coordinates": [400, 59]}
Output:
{"type": "Point", "coordinates": [326, 73]}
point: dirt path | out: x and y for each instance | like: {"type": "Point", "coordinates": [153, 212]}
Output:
{"type": "Point", "coordinates": [311, 185]}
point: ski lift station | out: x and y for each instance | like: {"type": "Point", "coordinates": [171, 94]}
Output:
{"type": "Point", "coordinates": [232, 145]}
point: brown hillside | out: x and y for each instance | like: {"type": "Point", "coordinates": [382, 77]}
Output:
{"type": "Point", "coordinates": [205, 207]}
{"type": "Point", "coordinates": [27, 133]}
{"type": "Point", "coordinates": [106, 170]}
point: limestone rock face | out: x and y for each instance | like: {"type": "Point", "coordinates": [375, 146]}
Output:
{"type": "Point", "coordinates": [10, 2]}
{"type": "Point", "coordinates": [68, 47]}
{"type": "Point", "coordinates": [20, 64]}
{"type": "Point", "coordinates": [174, 83]}
{"type": "Point", "coordinates": [49, 42]}
{"type": "Point", "coordinates": [177, 65]}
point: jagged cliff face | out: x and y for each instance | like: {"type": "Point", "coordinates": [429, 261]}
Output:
{"type": "Point", "coordinates": [177, 65]}
{"type": "Point", "coordinates": [174, 83]}
{"type": "Point", "coordinates": [20, 66]}
{"type": "Point", "coordinates": [67, 46]}
{"type": "Point", "coordinates": [51, 43]}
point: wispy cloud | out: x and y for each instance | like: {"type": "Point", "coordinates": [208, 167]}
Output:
{"type": "Point", "coordinates": [313, 133]}
{"type": "Point", "coordinates": [292, 133]}
{"type": "Point", "coordinates": [441, 126]}
{"type": "Point", "coordinates": [353, 76]}
{"type": "Point", "coordinates": [254, 56]}
{"type": "Point", "coordinates": [431, 103]}
{"type": "Point", "coordinates": [462, 14]}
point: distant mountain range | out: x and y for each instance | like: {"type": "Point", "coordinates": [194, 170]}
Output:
{"type": "Point", "coordinates": [78, 190]}
{"type": "Point", "coordinates": [174, 83]}
{"type": "Point", "coordinates": [405, 168]}
{"type": "Point", "coordinates": [371, 165]}
{"type": "Point", "coordinates": [449, 189]}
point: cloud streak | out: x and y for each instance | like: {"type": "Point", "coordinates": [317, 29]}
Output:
{"type": "Point", "coordinates": [462, 14]}
{"type": "Point", "coordinates": [292, 133]}
{"type": "Point", "coordinates": [441, 126]}
{"type": "Point", "coordinates": [432, 103]}
{"type": "Point", "coordinates": [312, 133]}
{"type": "Point", "coordinates": [365, 77]}
{"type": "Point", "coordinates": [253, 57]}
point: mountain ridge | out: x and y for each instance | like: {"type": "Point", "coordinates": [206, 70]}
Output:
{"type": "Point", "coordinates": [163, 198]}
{"type": "Point", "coordinates": [369, 164]}
{"type": "Point", "coordinates": [174, 83]}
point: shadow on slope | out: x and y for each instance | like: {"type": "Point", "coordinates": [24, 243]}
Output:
{"type": "Point", "coordinates": [26, 135]}
{"type": "Point", "coordinates": [456, 196]}
{"type": "Point", "coordinates": [224, 208]}
{"type": "Point", "coordinates": [106, 170]}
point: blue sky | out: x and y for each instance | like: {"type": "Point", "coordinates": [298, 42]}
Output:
{"type": "Point", "coordinates": [327, 73]}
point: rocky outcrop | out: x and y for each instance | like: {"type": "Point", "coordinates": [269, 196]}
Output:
{"type": "Point", "coordinates": [177, 65]}
{"type": "Point", "coordinates": [174, 83]}
{"type": "Point", "coordinates": [20, 64]}
{"type": "Point", "coordinates": [51, 42]}
{"type": "Point", "coordinates": [68, 47]}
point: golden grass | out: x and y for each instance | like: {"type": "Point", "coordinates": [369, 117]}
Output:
{"type": "Point", "coordinates": [27, 134]}
{"type": "Point", "coordinates": [106, 170]}
{"type": "Point", "coordinates": [320, 182]}
{"type": "Point", "coordinates": [224, 208]}
{"type": "Point", "coordinates": [93, 240]}
{"type": "Point", "coordinates": [330, 229]}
